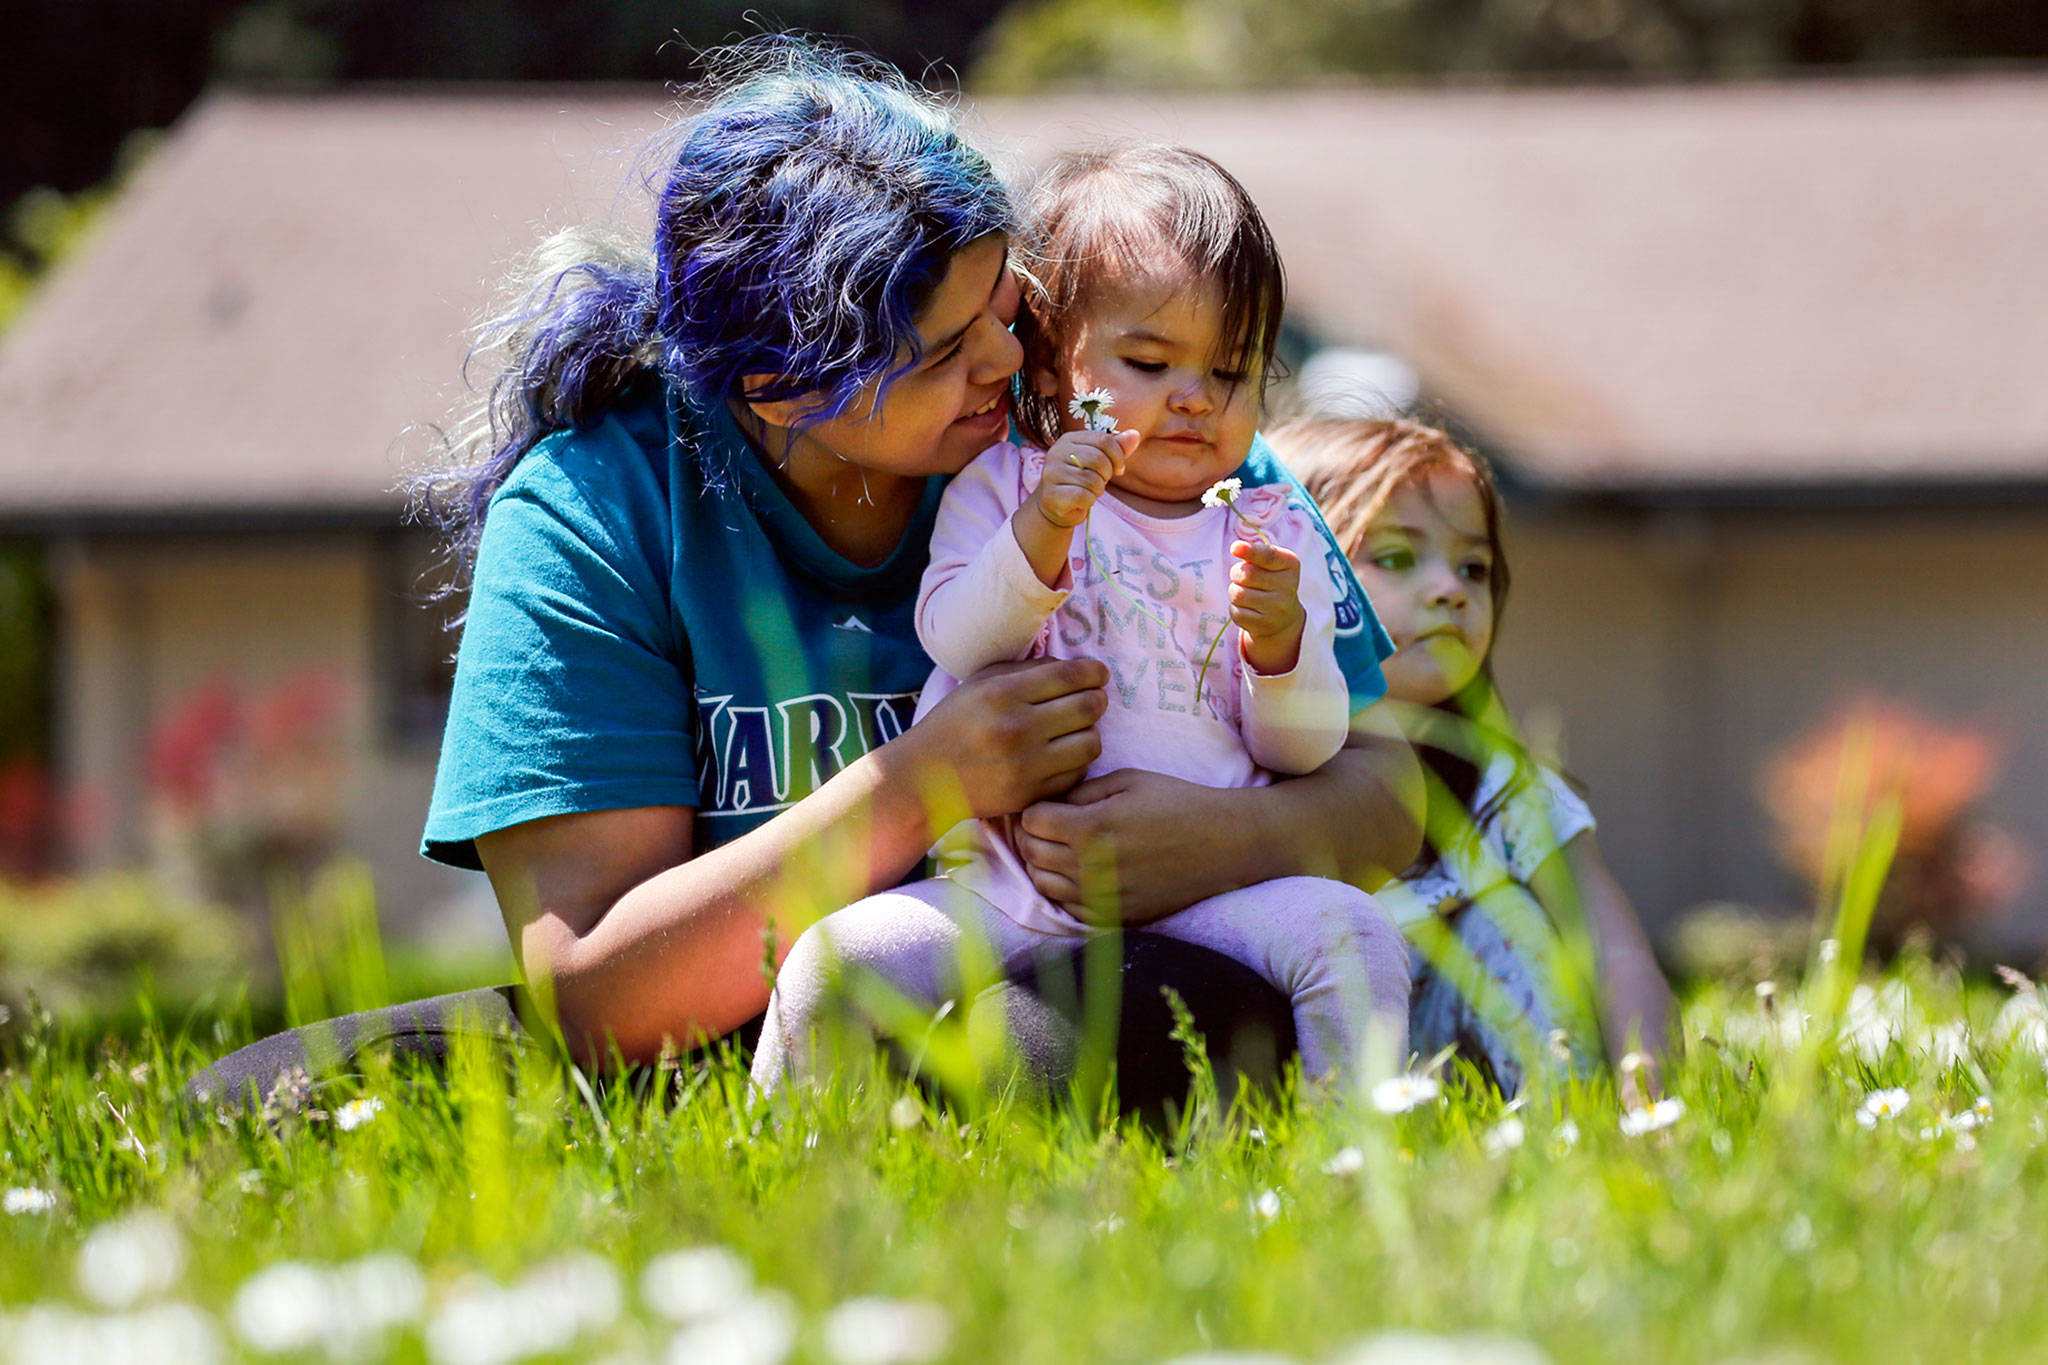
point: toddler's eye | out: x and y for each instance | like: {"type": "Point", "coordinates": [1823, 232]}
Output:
{"type": "Point", "coordinates": [1232, 376]}
{"type": "Point", "coordinates": [1478, 570]}
{"type": "Point", "coordinates": [1393, 561]}
{"type": "Point", "coordinates": [1147, 366]}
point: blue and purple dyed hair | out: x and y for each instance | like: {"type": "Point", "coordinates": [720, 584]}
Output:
{"type": "Point", "coordinates": [810, 208]}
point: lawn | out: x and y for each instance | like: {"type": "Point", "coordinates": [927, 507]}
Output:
{"type": "Point", "coordinates": [1868, 1185]}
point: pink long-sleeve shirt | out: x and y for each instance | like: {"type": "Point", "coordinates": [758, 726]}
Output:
{"type": "Point", "coordinates": [1147, 596]}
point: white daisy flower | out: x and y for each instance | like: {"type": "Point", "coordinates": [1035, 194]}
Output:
{"type": "Point", "coordinates": [289, 1306]}
{"type": "Point", "coordinates": [876, 1331]}
{"type": "Point", "coordinates": [1564, 1137]}
{"type": "Point", "coordinates": [1347, 1161]}
{"type": "Point", "coordinates": [1881, 1105]}
{"type": "Point", "coordinates": [1399, 1094]}
{"type": "Point", "coordinates": [357, 1112]}
{"type": "Point", "coordinates": [1982, 1108]}
{"type": "Point", "coordinates": [1423, 1348]}
{"type": "Point", "coordinates": [1091, 409]}
{"type": "Point", "coordinates": [1223, 493]}
{"type": "Point", "coordinates": [1505, 1137]}
{"type": "Point", "coordinates": [27, 1199]}
{"type": "Point", "coordinates": [1662, 1114]}
{"type": "Point", "coordinates": [758, 1330]}
{"type": "Point", "coordinates": [1267, 1205]}
{"type": "Point", "coordinates": [123, 1263]}
{"type": "Point", "coordinates": [695, 1282]}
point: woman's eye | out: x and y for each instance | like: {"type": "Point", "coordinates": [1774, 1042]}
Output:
{"type": "Point", "coordinates": [949, 356]}
{"type": "Point", "coordinates": [1147, 366]}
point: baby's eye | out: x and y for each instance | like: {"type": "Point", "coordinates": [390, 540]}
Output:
{"type": "Point", "coordinates": [1146, 366]}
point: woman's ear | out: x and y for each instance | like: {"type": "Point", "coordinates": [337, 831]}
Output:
{"type": "Point", "coordinates": [781, 412]}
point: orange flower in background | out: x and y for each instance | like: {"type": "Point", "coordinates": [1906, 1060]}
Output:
{"type": "Point", "coordinates": [1952, 867]}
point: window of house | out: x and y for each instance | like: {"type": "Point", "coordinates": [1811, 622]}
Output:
{"type": "Point", "coordinates": [418, 643]}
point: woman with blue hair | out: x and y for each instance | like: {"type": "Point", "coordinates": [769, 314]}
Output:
{"type": "Point", "coordinates": [697, 504]}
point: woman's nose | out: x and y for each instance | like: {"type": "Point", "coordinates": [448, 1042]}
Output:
{"type": "Point", "coordinates": [998, 354]}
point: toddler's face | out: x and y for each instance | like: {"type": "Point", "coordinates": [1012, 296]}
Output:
{"type": "Point", "coordinates": [1428, 567]}
{"type": "Point", "coordinates": [1155, 346]}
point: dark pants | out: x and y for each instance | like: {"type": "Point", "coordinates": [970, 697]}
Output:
{"type": "Point", "coordinates": [1246, 1024]}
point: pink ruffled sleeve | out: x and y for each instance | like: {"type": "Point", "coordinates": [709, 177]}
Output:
{"type": "Point", "coordinates": [981, 602]}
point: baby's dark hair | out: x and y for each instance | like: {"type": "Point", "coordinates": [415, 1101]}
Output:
{"type": "Point", "coordinates": [1147, 210]}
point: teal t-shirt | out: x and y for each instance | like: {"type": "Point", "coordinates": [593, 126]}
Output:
{"type": "Point", "coordinates": [653, 623]}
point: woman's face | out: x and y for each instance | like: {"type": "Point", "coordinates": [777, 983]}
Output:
{"type": "Point", "coordinates": [1427, 567]}
{"type": "Point", "coordinates": [954, 404]}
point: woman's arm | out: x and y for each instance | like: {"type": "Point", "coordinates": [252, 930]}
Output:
{"type": "Point", "coordinates": [643, 941]}
{"type": "Point", "coordinates": [1636, 1005]}
{"type": "Point", "coordinates": [1170, 843]}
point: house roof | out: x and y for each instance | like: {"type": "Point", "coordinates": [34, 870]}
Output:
{"type": "Point", "coordinates": [1824, 283]}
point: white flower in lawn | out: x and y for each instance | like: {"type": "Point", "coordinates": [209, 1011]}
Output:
{"type": "Point", "coordinates": [695, 1282]}
{"type": "Point", "coordinates": [2023, 1023]}
{"type": "Point", "coordinates": [289, 1306]}
{"type": "Point", "coordinates": [1399, 1094]}
{"type": "Point", "coordinates": [1947, 1044]}
{"type": "Point", "coordinates": [760, 1329]}
{"type": "Point", "coordinates": [1982, 1108]}
{"type": "Point", "coordinates": [28, 1199]}
{"type": "Point", "coordinates": [381, 1290]}
{"type": "Point", "coordinates": [906, 1113]}
{"type": "Point", "coordinates": [1232, 1358]}
{"type": "Point", "coordinates": [1421, 1348]}
{"type": "Point", "coordinates": [482, 1323]}
{"type": "Point", "coordinates": [249, 1181]}
{"type": "Point", "coordinates": [581, 1288]}
{"type": "Point", "coordinates": [172, 1333]}
{"type": "Point", "coordinates": [124, 1262]}
{"type": "Point", "coordinates": [1267, 1205]}
{"type": "Point", "coordinates": [876, 1331]}
{"type": "Point", "coordinates": [357, 1112]}
{"type": "Point", "coordinates": [1347, 1161]}
{"type": "Point", "coordinates": [1564, 1137]}
{"type": "Point", "coordinates": [1882, 1105]}
{"type": "Point", "coordinates": [1505, 1136]}
{"type": "Point", "coordinates": [1640, 1121]}
{"type": "Point", "coordinates": [1091, 409]}
{"type": "Point", "coordinates": [1223, 493]}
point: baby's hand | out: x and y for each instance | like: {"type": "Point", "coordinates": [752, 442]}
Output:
{"type": "Point", "coordinates": [1077, 468]}
{"type": "Point", "coordinates": [1265, 604]}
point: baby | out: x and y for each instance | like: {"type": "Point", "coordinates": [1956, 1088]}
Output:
{"type": "Point", "coordinates": [1123, 532]}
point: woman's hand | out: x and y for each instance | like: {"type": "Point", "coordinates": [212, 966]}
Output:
{"type": "Point", "coordinates": [1144, 845]}
{"type": "Point", "coordinates": [1011, 735]}
{"type": "Point", "coordinates": [1139, 845]}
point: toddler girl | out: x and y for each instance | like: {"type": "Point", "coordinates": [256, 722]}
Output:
{"type": "Point", "coordinates": [1509, 875]}
{"type": "Point", "coordinates": [1115, 535]}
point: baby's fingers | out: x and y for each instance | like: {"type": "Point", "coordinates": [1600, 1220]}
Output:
{"type": "Point", "coordinates": [1263, 554]}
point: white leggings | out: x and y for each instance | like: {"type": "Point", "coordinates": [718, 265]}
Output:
{"type": "Point", "coordinates": [1326, 945]}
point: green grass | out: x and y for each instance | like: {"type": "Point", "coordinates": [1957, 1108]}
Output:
{"type": "Point", "coordinates": [1765, 1223]}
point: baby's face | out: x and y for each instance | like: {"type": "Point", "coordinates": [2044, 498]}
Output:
{"type": "Point", "coordinates": [1155, 346]}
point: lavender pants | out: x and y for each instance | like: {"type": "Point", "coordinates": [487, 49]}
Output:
{"type": "Point", "coordinates": [1326, 945]}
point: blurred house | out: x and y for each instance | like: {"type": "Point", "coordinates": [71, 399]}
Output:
{"type": "Point", "coordinates": [1763, 366]}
